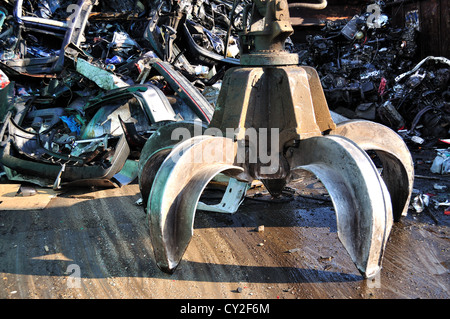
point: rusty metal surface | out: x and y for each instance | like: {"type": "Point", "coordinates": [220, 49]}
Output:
{"type": "Point", "coordinates": [296, 90]}
{"type": "Point", "coordinates": [335, 10]}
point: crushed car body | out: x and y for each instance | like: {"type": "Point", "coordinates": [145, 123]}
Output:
{"type": "Point", "coordinates": [56, 143]}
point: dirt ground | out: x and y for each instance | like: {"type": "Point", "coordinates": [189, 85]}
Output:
{"type": "Point", "coordinates": [94, 244]}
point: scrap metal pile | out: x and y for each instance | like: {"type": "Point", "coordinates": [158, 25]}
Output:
{"type": "Point", "coordinates": [82, 87]}
{"type": "Point", "coordinates": [83, 84]}
{"type": "Point", "coordinates": [370, 69]}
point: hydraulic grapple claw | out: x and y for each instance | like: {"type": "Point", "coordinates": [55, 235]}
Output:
{"type": "Point", "coordinates": [270, 92]}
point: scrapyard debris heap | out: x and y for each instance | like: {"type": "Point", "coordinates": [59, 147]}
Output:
{"type": "Point", "coordinates": [365, 69]}
{"type": "Point", "coordinates": [78, 106]}
{"type": "Point", "coordinates": [60, 58]}
{"type": "Point", "coordinates": [86, 85]}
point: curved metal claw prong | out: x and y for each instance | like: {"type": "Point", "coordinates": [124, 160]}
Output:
{"type": "Point", "coordinates": [176, 190]}
{"type": "Point", "coordinates": [157, 148]}
{"type": "Point", "coordinates": [398, 167]}
{"type": "Point", "coordinates": [359, 195]}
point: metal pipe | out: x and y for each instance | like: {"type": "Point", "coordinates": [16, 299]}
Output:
{"type": "Point", "coordinates": [314, 6]}
{"type": "Point", "coordinates": [229, 28]}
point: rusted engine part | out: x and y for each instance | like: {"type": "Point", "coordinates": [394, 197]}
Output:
{"type": "Point", "coordinates": [276, 94]}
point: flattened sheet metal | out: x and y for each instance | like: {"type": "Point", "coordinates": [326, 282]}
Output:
{"type": "Point", "coordinates": [233, 197]}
